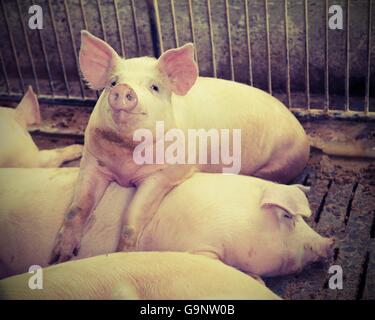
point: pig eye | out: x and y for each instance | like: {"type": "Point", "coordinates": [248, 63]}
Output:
{"type": "Point", "coordinates": [155, 88]}
{"type": "Point", "coordinates": [113, 82]}
{"type": "Point", "coordinates": [287, 216]}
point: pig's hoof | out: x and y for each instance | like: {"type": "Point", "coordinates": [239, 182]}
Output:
{"type": "Point", "coordinates": [65, 249]}
{"type": "Point", "coordinates": [128, 239]}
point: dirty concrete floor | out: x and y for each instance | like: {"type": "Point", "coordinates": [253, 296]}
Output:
{"type": "Point", "coordinates": [342, 198]}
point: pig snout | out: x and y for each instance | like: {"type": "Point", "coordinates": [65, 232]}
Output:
{"type": "Point", "coordinates": [321, 249]}
{"type": "Point", "coordinates": [122, 98]}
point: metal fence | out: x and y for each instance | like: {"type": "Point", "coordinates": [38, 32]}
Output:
{"type": "Point", "coordinates": [284, 47]}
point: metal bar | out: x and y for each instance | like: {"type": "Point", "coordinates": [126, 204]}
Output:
{"type": "Point", "coordinates": [227, 14]}
{"type": "Point", "coordinates": [20, 77]}
{"type": "Point", "coordinates": [289, 96]}
{"type": "Point", "coordinates": [307, 69]}
{"type": "Point", "coordinates": [83, 15]}
{"type": "Point", "coordinates": [174, 23]}
{"type": "Point", "coordinates": [211, 38]}
{"type": "Point", "coordinates": [192, 31]}
{"type": "Point", "coordinates": [56, 100]}
{"type": "Point", "coordinates": [326, 53]}
{"type": "Point", "coordinates": [101, 19]}
{"type": "Point", "coordinates": [248, 42]}
{"type": "Point", "coordinates": [299, 112]}
{"type": "Point", "coordinates": [347, 67]}
{"type": "Point", "coordinates": [158, 25]}
{"type": "Point", "coordinates": [134, 13]}
{"type": "Point", "coordinates": [83, 12]}
{"type": "Point", "coordinates": [367, 99]}
{"type": "Point", "coordinates": [5, 74]}
{"type": "Point", "coordinates": [119, 29]}
{"type": "Point", "coordinates": [44, 51]}
{"type": "Point", "coordinates": [269, 75]}
{"type": "Point", "coordinates": [333, 114]}
{"type": "Point", "coordinates": [58, 48]}
{"type": "Point", "coordinates": [74, 48]}
{"type": "Point", "coordinates": [28, 48]}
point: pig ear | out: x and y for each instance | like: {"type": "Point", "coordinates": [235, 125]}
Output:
{"type": "Point", "coordinates": [180, 69]}
{"type": "Point", "coordinates": [305, 189]}
{"type": "Point", "coordinates": [28, 108]}
{"type": "Point", "coordinates": [96, 60]}
{"type": "Point", "coordinates": [289, 198]}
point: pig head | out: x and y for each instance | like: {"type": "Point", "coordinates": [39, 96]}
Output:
{"type": "Point", "coordinates": [252, 224]}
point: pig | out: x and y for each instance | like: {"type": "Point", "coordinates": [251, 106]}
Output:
{"type": "Point", "coordinates": [139, 275]}
{"type": "Point", "coordinates": [138, 93]}
{"type": "Point", "coordinates": [17, 149]}
{"type": "Point", "coordinates": [254, 225]}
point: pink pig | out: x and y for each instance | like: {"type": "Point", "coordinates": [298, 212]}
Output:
{"type": "Point", "coordinates": [17, 148]}
{"type": "Point", "coordinates": [140, 92]}
{"type": "Point", "coordinates": [254, 225]}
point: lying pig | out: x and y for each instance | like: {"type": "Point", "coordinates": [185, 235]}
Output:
{"type": "Point", "coordinates": [246, 222]}
{"type": "Point", "coordinates": [17, 148]}
{"type": "Point", "coordinates": [139, 275]}
{"type": "Point", "coordinates": [138, 93]}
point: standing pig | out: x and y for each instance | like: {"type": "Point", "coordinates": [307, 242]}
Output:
{"type": "Point", "coordinates": [139, 275]}
{"type": "Point", "coordinates": [17, 148]}
{"type": "Point", "coordinates": [140, 92]}
{"type": "Point", "coordinates": [246, 222]}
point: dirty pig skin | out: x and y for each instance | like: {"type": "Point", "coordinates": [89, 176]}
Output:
{"type": "Point", "coordinates": [138, 92]}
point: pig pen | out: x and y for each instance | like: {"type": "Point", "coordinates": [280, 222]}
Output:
{"type": "Point", "coordinates": [288, 48]}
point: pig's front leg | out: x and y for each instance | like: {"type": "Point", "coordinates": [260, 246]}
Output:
{"type": "Point", "coordinates": [91, 184]}
{"type": "Point", "coordinates": [146, 201]}
{"type": "Point", "coordinates": [56, 157]}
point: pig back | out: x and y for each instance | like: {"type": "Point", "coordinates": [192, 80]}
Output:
{"type": "Point", "coordinates": [265, 123]}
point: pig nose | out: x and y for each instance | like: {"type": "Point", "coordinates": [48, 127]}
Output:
{"type": "Point", "coordinates": [122, 97]}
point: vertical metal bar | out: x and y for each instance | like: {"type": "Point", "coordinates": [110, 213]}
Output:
{"type": "Point", "coordinates": [101, 19]}
{"type": "Point", "coordinates": [211, 38]}
{"type": "Point", "coordinates": [269, 75]}
{"type": "Point", "coordinates": [83, 15]}
{"type": "Point", "coordinates": [158, 25]}
{"type": "Point", "coordinates": [119, 29]}
{"type": "Point", "coordinates": [248, 42]}
{"type": "Point", "coordinates": [347, 67]}
{"type": "Point", "coordinates": [46, 60]}
{"type": "Point", "coordinates": [307, 67]}
{"type": "Point", "coordinates": [287, 53]}
{"type": "Point", "coordinates": [367, 99]}
{"type": "Point", "coordinates": [59, 48]}
{"type": "Point", "coordinates": [74, 49]}
{"type": "Point", "coordinates": [136, 27]}
{"type": "Point", "coordinates": [193, 31]}
{"type": "Point", "coordinates": [227, 14]}
{"type": "Point", "coordinates": [174, 23]}
{"type": "Point", "coordinates": [86, 28]}
{"type": "Point", "coordinates": [326, 53]}
{"type": "Point", "coordinates": [4, 72]}
{"type": "Point", "coordinates": [28, 48]}
{"type": "Point", "coordinates": [20, 77]}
